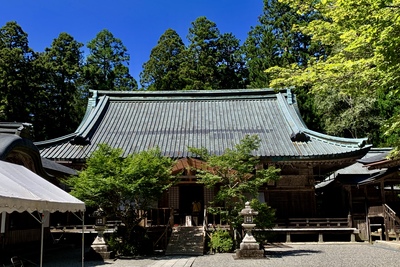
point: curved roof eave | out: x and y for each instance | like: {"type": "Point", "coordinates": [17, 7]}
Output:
{"type": "Point", "coordinates": [92, 115]}
{"type": "Point", "coordinates": [355, 153]}
{"type": "Point", "coordinates": [298, 125]}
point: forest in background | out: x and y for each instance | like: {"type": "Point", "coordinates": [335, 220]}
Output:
{"type": "Point", "coordinates": [340, 57]}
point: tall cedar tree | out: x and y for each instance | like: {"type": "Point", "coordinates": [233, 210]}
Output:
{"type": "Point", "coordinates": [161, 71]}
{"type": "Point", "coordinates": [199, 69]}
{"type": "Point", "coordinates": [106, 66]}
{"type": "Point", "coordinates": [232, 71]}
{"type": "Point", "coordinates": [16, 57]}
{"type": "Point", "coordinates": [57, 109]}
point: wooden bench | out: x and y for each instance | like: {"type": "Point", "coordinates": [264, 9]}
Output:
{"type": "Point", "coordinates": [318, 222]}
{"type": "Point", "coordinates": [318, 226]}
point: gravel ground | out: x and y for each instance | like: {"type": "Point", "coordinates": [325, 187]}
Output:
{"type": "Point", "coordinates": [293, 254]}
{"type": "Point", "coordinates": [343, 254]}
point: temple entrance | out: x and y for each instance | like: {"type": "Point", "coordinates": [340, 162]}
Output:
{"type": "Point", "coordinates": [191, 203]}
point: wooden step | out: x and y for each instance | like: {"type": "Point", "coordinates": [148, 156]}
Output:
{"type": "Point", "coordinates": [186, 241]}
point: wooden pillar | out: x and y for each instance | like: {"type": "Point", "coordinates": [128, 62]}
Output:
{"type": "Point", "coordinates": [350, 198]}
{"type": "Point", "coordinates": [288, 240]}
{"type": "Point", "coordinates": [352, 237]}
{"type": "Point", "coordinates": [320, 237]}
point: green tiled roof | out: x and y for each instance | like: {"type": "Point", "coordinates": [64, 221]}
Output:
{"type": "Point", "coordinates": [216, 120]}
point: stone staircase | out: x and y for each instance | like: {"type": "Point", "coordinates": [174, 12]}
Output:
{"type": "Point", "coordinates": [186, 240]}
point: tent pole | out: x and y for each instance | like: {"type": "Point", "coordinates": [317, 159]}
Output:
{"type": "Point", "coordinates": [3, 222]}
{"type": "Point", "coordinates": [3, 227]}
{"type": "Point", "coordinates": [82, 218]}
{"type": "Point", "coordinates": [83, 239]}
{"type": "Point", "coordinates": [41, 242]}
{"type": "Point", "coordinates": [43, 217]}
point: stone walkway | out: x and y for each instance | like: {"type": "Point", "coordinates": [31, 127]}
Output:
{"type": "Point", "coordinates": [287, 254]}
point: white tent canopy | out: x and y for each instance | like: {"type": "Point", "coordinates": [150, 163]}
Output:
{"type": "Point", "coordinates": [23, 190]}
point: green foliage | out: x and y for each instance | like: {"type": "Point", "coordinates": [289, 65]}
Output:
{"type": "Point", "coordinates": [199, 69]}
{"type": "Point", "coordinates": [15, 74]}
{"type": "Point", "coordinates": [57, 109]}
{"type": "Point", "coordinates": [231, 67]}
{"type": "Point", "coordinates": [161, 71]}
{"type": "Point", "coordinates": [140, 243]}
{"type": "Point", "coordinates": [235, 174]}
{"type": "Point", "coordinates": [221, 241]}
{"type": "Point", "coordinates": [266, 215]}
{"type": "Point", "coordinates": [123, 187]}
{"type": "Point", "coordinates": [107, 64]}
{"type": "Point", "coordinates": [276, 42]}
{"type": "Point", "coordinates": [360, 75]}
{"type": "Point", "coordinates": [212, 60]}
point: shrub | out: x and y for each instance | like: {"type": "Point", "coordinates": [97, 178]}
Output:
{"type": "Point", "coordinates": [139, 243]}
{"type": "Point", "coordinates": [221, 241]}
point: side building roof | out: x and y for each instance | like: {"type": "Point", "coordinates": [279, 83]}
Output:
{"type": "Point", "coordinates": [217, 120]}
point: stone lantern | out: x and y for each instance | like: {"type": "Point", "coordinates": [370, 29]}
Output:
{"type": "Point", "coordinates": [249, 248]}
{"type": "Point", "coordinates": [100, 216]}
{"type": "Point", "coordinates": [99, 244]}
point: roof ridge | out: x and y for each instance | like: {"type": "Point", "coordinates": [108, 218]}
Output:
{"type": "Point", "coordinates": [189, 93]}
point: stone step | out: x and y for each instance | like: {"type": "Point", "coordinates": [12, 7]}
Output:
{"type": "Point", "coordinates": [186, 241]}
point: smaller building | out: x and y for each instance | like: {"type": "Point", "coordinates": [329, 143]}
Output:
{"type": "Point", "coordinates": [368, 190]}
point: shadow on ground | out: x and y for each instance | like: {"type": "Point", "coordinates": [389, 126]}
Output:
{"type": "Point", "coordinates": [279, 250]}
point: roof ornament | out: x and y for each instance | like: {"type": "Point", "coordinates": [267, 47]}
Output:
{"type": "Point", "coordinates": [299, 137]}
{"type": "Point", "coordinates": [80, 141]}
{"type": "Point", "coordinates": [289, 95]}
{"type": "Point", "coordinates": [25, 131]}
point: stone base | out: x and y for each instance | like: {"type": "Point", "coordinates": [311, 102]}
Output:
{"type": "Point", "coordinates": [99, 250]}
{"type": "Point", "coordinates": [249, 246]}
{"type": "Point", "coordinates": [106, 255]}
{"type": "Point", "coordinates": [249, 254]}
{"type": "Point", "coordinates": [93, 255]}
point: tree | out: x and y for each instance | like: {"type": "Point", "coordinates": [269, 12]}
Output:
{"type": "Point", "coordinates": [123, 187]}
{"type": "Point", "coordinates": [232, 72]}
{"type": "Point", "coordinates": [161, 71]}
{"type": "Point", "coordinates": [277, 41]}
{"type": "Point", "coordinates": [57, 103]}
{"type": "Point", "coordinates": [363, 66]}
{"type": "Point", "coordinates": [260, 55]}
{"type": "Point", "coordinates": [235, 174]}
{"type": "Point", "coordinates": [15, 72]}
{"type": "Point", "coordinates": [106, 66]}
{"type": "Point", "coordinates": [199, 70]}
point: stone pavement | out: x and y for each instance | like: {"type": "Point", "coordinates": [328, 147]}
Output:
{"type": "Point", "coordinates": [380, 254]}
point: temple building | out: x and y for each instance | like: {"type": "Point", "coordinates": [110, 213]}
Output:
{"type": "Point", "coordinates": [216, 120]}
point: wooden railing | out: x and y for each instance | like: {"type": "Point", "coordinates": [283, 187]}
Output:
{"type": "Point", "coordinates": [392, 222]}
{"type": "Point", "coordinates": [214, 219]}
{"type": "Point", "coordinates": [160, 217]}
{"type": "Point", "coordinates": [390, 226]}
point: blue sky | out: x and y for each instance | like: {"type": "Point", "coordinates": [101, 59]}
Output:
{"type": "Point", "coordinates": [138, 23]}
